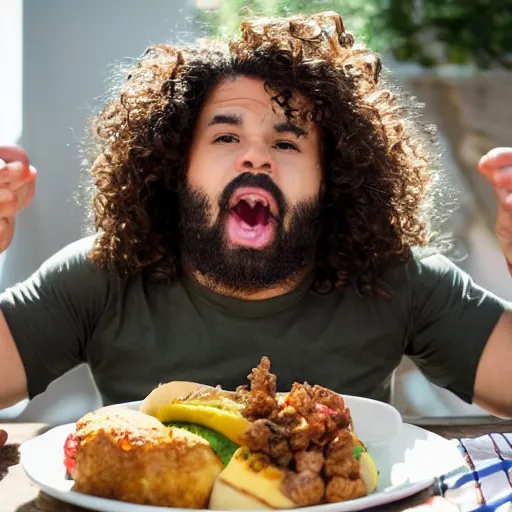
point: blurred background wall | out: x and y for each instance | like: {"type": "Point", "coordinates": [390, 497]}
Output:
{"type": "Point", "coordinates": [56, 60]}
{"type": "Point", "coordinates": [59, 56]}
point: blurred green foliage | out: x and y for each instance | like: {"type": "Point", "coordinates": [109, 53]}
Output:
{"type": "Point", "coordinates": [428, 32]}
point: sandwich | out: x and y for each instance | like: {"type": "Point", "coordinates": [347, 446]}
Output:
{"type": "Point", "coordinates": [195, 446]}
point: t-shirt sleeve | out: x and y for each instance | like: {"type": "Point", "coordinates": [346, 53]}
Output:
{"type": "Point", "coordinates": [53, 313]}
{"type": "Point", "coordinates": [452, 320]}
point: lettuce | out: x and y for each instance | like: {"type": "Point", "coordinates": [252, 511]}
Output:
{"type": "Point", "coordinates": [223, 447]}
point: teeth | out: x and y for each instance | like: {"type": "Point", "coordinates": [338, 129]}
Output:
{"type": "Point", "coordinates": [254, 199]}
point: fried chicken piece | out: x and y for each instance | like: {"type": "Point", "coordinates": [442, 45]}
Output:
{"type": "Point", "coordinates": [300, 436]}
{"type": "Point", "coordinates": [340, 460]}
{"type": "Point", "coordinates": [279, 451]}
{"type": "Point", "coordinates": [262, 380]}
{"type": "Point", "coordinates": [340, 488]}
{"type": "Point", "coordinates": [287, 416]}
{"type": "Point", "coordinates": [261, 401]}
{"type": "Point", "coordinates": [259, 405]}
{"type": "Point", "coordinates": [257, 436]}
{"type": "Point", "coordinates": [130, 456]}
{"type": "Point", "coordinates": [334, 403]}
{"type": "Point", "coordinates": [312, 460]}
{"type": "Point", "coordinates": [328, 398]}
{"type": "Point", "coordinates": [300, 399]}
{"type": "Point", "coordinates": [317, 425]}
{"type": "Point", "coordinates": [304, 488]}
{"type": "Point", "coordinates": [266, 437]}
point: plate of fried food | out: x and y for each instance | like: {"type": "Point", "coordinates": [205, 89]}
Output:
{"type": "Point", "coordinates": [190, 446]}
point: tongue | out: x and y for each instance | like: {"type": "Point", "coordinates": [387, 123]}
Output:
{"type": "Point", "coordinates": [252, 216]}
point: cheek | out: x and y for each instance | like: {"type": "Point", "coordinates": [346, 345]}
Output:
{"type": "Point", "coordinates": [303, 185]}
{"type": "Point", "coordinates": [203, 174]}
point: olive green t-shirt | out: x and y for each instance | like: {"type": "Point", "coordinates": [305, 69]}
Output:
{"type": "Point", "coordinates": [135, 334]}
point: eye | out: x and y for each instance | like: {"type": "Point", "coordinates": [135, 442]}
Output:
{"type": "Point", "coordinates": [225, 139]}
{"type": "Point", "coordinates": [286, 146]}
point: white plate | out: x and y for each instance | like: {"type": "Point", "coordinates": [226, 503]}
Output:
{"type": "Point", "coordinates": [407, 461]}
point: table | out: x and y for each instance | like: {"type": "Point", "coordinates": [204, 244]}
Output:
{"type": "Point", "coordinates": [18, 494]}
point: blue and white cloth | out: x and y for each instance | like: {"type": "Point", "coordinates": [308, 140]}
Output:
{"type": "Point", "coordinates": [484, 484]}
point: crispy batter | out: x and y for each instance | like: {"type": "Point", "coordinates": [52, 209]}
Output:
{"type": "Point", "coordinates": [307, 432]}
{"type": "Point", "coordinates": [257, 436]}
{"type": "Point", "coordinates": [261, 402]}
{"type": "Point", "coordinates": [309, 460]}
{"type": "Point", "coordinates": [262, 380]}
{"type": "Point", "coordinates": [328, 398]}
{"type": "Point", "coordinates": [300, 436]}
{"type": "Point", "coordinates": [340, 489]}
{"type": "Point", "coordinates": [129, 456]}
{"type": "Point", "coordinates": [279, 451]}
{"type": "Point", "coordinates": [259, 405]}
{"type": "Point", "coordinates": [305, 488]}
{"type": "Point", "coordinates": [339, 457]}
{"type": "Point", "coordinates": [300, 399]}
{"type": "Point", "coordinates": [286, 416]}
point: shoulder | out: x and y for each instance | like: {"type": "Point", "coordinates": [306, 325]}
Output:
{"type": "Point", "coordinates": [73, 260]}
{"type": "Point", "coordinates": [425, 269]}
{"type": "Point", "coordinates": [72, 255]}
{"type": "Point", "coordinates": [67, 269]}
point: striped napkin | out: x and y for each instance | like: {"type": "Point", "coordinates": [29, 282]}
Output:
{"type": "Point", "coordinates": [484, 484]}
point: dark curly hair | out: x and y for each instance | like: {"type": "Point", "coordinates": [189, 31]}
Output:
{"type": "Point", "coordinates": [376, 171]}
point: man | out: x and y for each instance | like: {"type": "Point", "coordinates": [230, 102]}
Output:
{"type": "Point", "coordinates": [264, 198]}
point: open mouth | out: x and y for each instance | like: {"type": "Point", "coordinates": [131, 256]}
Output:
{"type": "Point", "coordinates": [251, 221]}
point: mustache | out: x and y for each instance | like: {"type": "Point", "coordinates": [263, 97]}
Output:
{"type": "Point", "coordinates": [249, 179]}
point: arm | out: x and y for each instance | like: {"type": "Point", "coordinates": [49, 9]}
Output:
{"type": "Point", "coordinates": [47, 321]}
{"type": "Point", "coordinates": [493, 384]}
{"type": "Point", "coordinates": [17, 185]}
{"type": "Point", "coordinates": [497, 167]}
{"type": "Point", "coordinates": [453, 321]}
{"type": "Point", "coordinates": [13, 379]}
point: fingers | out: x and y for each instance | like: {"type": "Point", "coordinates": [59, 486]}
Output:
{"type": "Point", "coordinates": [13, 201]}
{"type": "Point", "coordinates": [13, 154]}
{"type": "Point", "coordinates": [25, 195]}
{"type": "Point", "coordinates": [16, 187]}
{"type": "Point", "coordinates": [502, 181]}
{"type": "Point", "coordinates": [8, 208]}
{"type": "Point", "coordinates": [14, 173]}
{"type": "Point", "coordinates": [495, 160]}
{"type": "Point", "coordinates": [496, 165]}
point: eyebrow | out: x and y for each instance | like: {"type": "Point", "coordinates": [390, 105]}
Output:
{"type": "Point", "coordinates": [232, 119]}
{"type": "Point", "coordinates": [290, 128]}
{"type": "Point", "coordinates": [236, 120]}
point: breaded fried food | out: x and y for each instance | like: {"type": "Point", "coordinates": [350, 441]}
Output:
{"type": "Point", "coordinates": [127, 455]}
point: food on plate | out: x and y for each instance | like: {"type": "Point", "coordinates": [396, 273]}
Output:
{"type": "Point", "coordinates": [130, 456]}
{"type": "Point", "coordinates": [188, 404]}
{"type": "Point", "coordinates": [197, 446]}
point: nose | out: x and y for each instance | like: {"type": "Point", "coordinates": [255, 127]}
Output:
{"type": "Point", "coordinates": [255, 157]}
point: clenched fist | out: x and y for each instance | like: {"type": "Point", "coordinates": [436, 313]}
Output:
{"type": "Point", "coordinates": [17, 185]}
{"type": "Point", "coordinates": [497, 166]}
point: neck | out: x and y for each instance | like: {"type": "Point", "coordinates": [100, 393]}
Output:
{"type": "Point", "coordinates": [266, 293]}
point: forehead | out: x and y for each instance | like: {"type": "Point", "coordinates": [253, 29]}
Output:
{"type": "Point", "coordinates": [247, 93]}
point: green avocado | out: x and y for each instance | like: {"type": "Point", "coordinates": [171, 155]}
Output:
{"type": "Point", "coordinates": [223, 447]}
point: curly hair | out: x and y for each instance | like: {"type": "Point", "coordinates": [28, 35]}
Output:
{"type": "Point", "coordinates": [376, 170]}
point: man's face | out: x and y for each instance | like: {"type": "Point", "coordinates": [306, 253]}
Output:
{"type": "Point", "coordinates": [251, 200]}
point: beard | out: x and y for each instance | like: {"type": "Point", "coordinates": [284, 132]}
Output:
{"type": "Point", "coordinates": [205, 247]}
